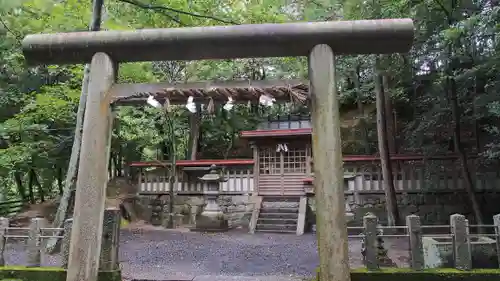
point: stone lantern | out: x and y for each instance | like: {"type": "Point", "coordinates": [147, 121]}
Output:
{"type": "Point", "coordinates": [212, 218]}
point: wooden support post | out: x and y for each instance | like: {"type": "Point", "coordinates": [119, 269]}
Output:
{"type": "Point", "coordinates": [301, 221]}
{"type": "Point", "coordinates": [328, 172]}
{"type": "Point", "coordinates": [86, 236]}
{"type": "Point", "coordinates": [256, 169]}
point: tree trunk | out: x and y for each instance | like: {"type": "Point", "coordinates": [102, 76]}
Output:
{"type": "Point", "coordinates": [362, 124]}
{"type": "Point", "coordinates": [60, 184]}
{"type": "Point", "coordinates": [390, 194]}
{"type": "Point", "coordinates": [171, 169]}
{"type": "Point", "coordinates": [451, 88]}
{"type": "Point", "coordinates": [71, 174]}
{"type": "Point", "coordinates": [119, 164]}
{"type": "Point", "coordinates": [31, 183]}
{"type": "Point", "coordinates": [20, 188]}
{"type": "Point", "coordinates": [34, 180]}
{"type": "Point", "coordinates": [469, 185]}
{"type": "Point", "coordinates": [389, 116]}
{"type": "Point", "coordinates": [194, 134]}
{"type": "Point", "coordinates": [390, 124]}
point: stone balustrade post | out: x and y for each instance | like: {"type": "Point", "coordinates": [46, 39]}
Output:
{"type": "Point", "coordinates": [35, 241]}
{"type": "Point", "coordinates": [461, 242]}
{"type": "Point", "coordinates": [110, 240]}
{"type": "Point", "coordinates": [416, 247]}
{"type": "Point", "coordinates": [157, 211]}
{"type": "Point", "coordinates": [66, 242]}
{"type": "Point", "coordinates": [370, 222]}
{"type": "Point", "coordinates": [4, 224]}
{"type": "Point", "coordinates": [496, 222]}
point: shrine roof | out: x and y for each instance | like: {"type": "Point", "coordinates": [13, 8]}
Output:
{"type": "Point", "coordinates": [282, 126]}
{"type": "Point", "coordinates": [276, 133]}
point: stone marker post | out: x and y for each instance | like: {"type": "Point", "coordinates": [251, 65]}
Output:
{"type": "Point", "coordinates": [212, 218]}
{"type": "Point", "coordinates": [68, 224]}
{"type": "Point", "coordinates": [157, 211]}
{"type": "Point", "coordinates": [461, 243]}
{"type": "Point", "coordinates": [4, 224]}
{"type": "Point", "coordinates": [370, 241]}
{"type": "Point", "coordinates": [35, 241]}
{"type": "Point", "coordinates": [110, 240]}
{"type": "Point", "coordinates": [496, 222]}
{"type": "Point", "coordinates": [416, 248]}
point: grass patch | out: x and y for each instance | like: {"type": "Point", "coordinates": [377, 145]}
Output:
{"type": "Point", "coordinates": [23, 273]}
{"type": "Point", "coordinates": [406, 274]}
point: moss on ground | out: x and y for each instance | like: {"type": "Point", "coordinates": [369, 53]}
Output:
{"type": "Point", "coordinates": [23, 273]}
{"type": "Point", "coordinates": [445, 274]}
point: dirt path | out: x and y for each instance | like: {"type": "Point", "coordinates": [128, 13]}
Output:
{"type": "Point", "coordinates": [161, 254]}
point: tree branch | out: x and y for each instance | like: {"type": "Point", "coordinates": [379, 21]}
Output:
{"type": "Point", "coordinates": [443, 8]}
{"type": "Point", "coordinates": [166, 8]}
{"type": "Point", "coordinates": [156, 9]}
{"type": "Point", "coordinates": [17, 37]}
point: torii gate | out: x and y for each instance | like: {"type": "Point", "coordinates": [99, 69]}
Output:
{"type": "Point", "coordinates": [319, 41]}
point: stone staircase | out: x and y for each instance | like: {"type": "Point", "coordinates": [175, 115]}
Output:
{"type": "Point", "coordinates": [278, 214]}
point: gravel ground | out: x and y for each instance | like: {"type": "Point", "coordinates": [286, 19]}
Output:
{"type": "Point", "coordinates": [166, 254]}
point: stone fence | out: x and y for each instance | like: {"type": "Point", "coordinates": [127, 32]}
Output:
{"type": "Point", "coordinates": [35, 234]}
{"type": "Point", "coordinates": [458, 248]}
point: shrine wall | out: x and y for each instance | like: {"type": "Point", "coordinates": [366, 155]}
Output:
{"type": "Point", "coordinates": [432, 207]}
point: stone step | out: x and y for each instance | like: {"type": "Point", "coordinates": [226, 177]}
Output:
{"type": "Point", "coordinates": [276, 231]}
{"type": "Point", "coordinates": [276, 227]}
{"type": "Point", "coordinates": [276, 221]}
{"type": "Point", "coordinates": [279, 210]}
{"type": "Point", "coordinates": [280, 205]}
{"type": "Point", "coordinates": [293, 216]}
{"type": "Point", "coordinates": [281, 199]}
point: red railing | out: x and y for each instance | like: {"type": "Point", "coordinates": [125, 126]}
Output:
{"type": "Point", "coordinates": [410, 172]}
{"type": "Point", "coordinates": [347, 158]}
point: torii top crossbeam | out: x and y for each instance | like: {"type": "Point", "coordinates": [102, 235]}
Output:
{"type": "Point", "coordinates": [222, 42]}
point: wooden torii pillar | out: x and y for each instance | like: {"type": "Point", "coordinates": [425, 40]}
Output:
{"type": "Point", "coordinates": [320, 41]}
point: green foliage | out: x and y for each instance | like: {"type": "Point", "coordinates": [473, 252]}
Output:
{"type": "Point", "coordinates": [38, 105]}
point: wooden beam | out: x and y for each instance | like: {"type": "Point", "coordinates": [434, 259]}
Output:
{"type": "Point", "coordinates": [202, 92]}
{"type": "Point", "coordinates": [86, 235]}
{"type": "Point", "coordinates": [328, 171]}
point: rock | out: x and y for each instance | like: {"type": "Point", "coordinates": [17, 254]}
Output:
{"type": "Point", "coordinates": [196, 201]}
